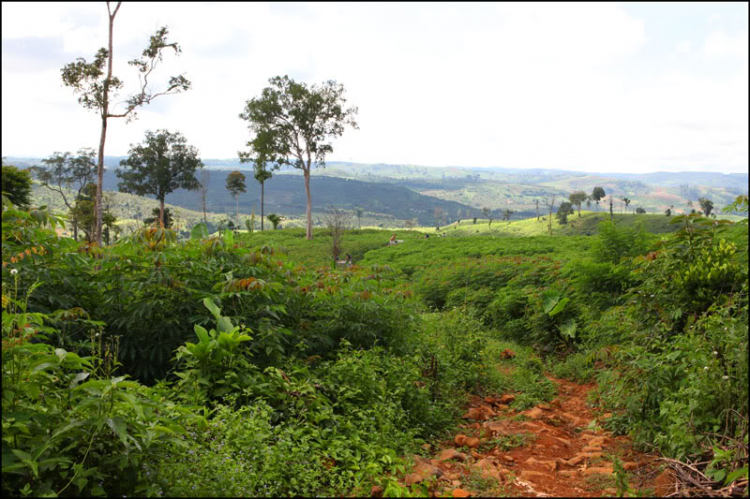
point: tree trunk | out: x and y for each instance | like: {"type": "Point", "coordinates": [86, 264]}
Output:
{"type": "Point", "coordinates": [205, 220]}
{"type": "Point", "coordinates": [309, 203]}
{"type": "Point", "coordinates": [237, 200]}
{"type": "Point", "coordinates": [161, 212]}
{"type": "Point", "coordinates": [262, 203]}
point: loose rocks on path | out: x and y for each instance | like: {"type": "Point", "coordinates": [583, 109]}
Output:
{"type": "Point", "coordinates": [554, 449]}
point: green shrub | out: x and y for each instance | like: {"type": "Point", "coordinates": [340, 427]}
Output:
{"type": "Point", "coordinates": [575, 367]}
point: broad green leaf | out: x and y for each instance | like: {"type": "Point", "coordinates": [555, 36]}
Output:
{"type": "Point", "coordinates": [211, 306]}
{"type": "Point", "coordinates": [120, 428]}
{"type": "Point", "coordinates": [79, 377]}
{"type": "Point", "coordinates": [559, 307]}
{"type": "Point", "coordinates": [228, 237]}
{"type": "Point", "coordinates": [202, 334]}
{"type": "Point", "coordinates": [569, 329]}
{"type": "Point", "coordinates": [550, 299]}
{"type": "Point", "coordinates": [200, 231]}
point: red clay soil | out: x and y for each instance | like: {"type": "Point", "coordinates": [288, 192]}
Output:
{"type": "Point", "coordinates": [550, 450]}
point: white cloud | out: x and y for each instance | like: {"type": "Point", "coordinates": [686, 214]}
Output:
{"type": "Point", "coordinates": [719, 44]}
{"type": "Point", "coordinates": [517, 85]}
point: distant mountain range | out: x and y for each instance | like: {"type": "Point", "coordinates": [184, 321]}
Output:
{"type": "Point", "coordinates": [407, 191]}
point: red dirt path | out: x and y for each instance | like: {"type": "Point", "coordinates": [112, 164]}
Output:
{"type": "Point", "coordinates": [562, 454]}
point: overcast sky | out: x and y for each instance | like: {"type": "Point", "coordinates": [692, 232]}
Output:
{"type": "Point", "coordinates": [598, 87]}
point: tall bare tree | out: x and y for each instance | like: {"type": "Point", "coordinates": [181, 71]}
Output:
{"type": "Point", "coordinates": [205, 181]}
{"type": "Point", "coordinates": [97, 91]}
{"type": "Point", "coordinates": [551, 206]}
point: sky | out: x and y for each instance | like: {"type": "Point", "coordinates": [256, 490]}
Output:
{"type": "Point", "coordinates": [610, 87]}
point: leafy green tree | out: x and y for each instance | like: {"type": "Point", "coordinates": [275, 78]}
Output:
{"type": "Point", "coordinates": [597, 195]}
{"type": "Point", "coordinates": [640, 210]}
{"type": "Point", "coordinates": [62, 171]}
{"type": "Point", "coordinates": [707, 205]}
{"type": "Point", "coordinates": [17, 185]}
{"type": "Point", "coordinates": [274, 219]}
{"type": "Point", "coordinates": [668, 212]}
{"type": "Point", "coordinates": [563, 211]}
{"type": "Point", "coordinates": [577, 198]}
{"type": "Point", "coordinates": [97, 90]}
{"type": "Point", "coordinates": [163, 163]}
{"type": "Point", "coordinates": [156, 216]}
{"type": "Point", "coordinates": [294, 124]}
{"type": "Point", "coordinates": [236, 186]}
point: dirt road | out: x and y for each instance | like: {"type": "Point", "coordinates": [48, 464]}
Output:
{"type": "Point", "coordinates": [554, 449]}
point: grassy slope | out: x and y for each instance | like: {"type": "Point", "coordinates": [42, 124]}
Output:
{"type": "Point", "coordinates": [586, 225]}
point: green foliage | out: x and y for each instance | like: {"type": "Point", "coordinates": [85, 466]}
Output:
{"type": "Point", "coordinates": [162, 164]}
{"type": "Point", "coordinates": [274, 219]}
{"type": "Point", "coordinates": [563, 211]}
{"type": "Point", "coordinates": [154, 218]}
{"type": "Point", "coordinates": [294, 125]}
{"type": "Point", "coordinates": [576, 367]}
{"type": "Point", "coordinates": [66, 419]}
{"type": "Point", "coordinates": [236, 183]}
{"type": "Point", "coordinates": [16, 185]}
{"type": "Point", "coordinates": [313, 381]}
{"type": "Point", "coordinates": [706, 205]}
{"type": "Point", "coordinates": [615, 242]}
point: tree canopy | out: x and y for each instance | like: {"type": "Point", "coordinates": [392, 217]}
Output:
{"type": "Point", "coordinates": [17, 185]}
{"type": "Point", "coordinates": [706, 205]}
{"type": "Point", "coordinates": [294, 125]}
{"type": "Point", "coordinates": [578, 198]}
{"type": "Point", "coordinates": [163, 163]}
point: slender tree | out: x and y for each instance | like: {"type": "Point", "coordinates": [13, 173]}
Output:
{"type": "Point", "coordinates": [537, 210]}
{"type": "Point", "coordinates": [627, 202]}
{"type": "Point", "coordinates": [294, 125]}
{"type": "Point", "coordinates": [577, 198]}
{"type": "Point", "coordinates": [359, 218]}
{"type": "Point", "coordinates": [611, 208]}
{"type": "Point", "coordinates": [597, 195]}
{"type": "Point", "coordinates": [163, 163]}
{"type": "Point", "coordinates": [236, 186]}
{"type": "Point", "coordinates": [551, 206]}
{"type": "Point", "coordinates": [261, 172]}
{"type": "Point", "coordinates": [205, 181]}
{"type": "Point", "coordinates": [97, 90]}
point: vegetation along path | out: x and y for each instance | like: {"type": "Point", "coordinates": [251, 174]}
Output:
{"type": "Point", "coordinates": [554, 449]}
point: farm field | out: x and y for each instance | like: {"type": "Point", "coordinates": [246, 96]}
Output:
{"type": "Point", "coordinates": [490, 363]}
